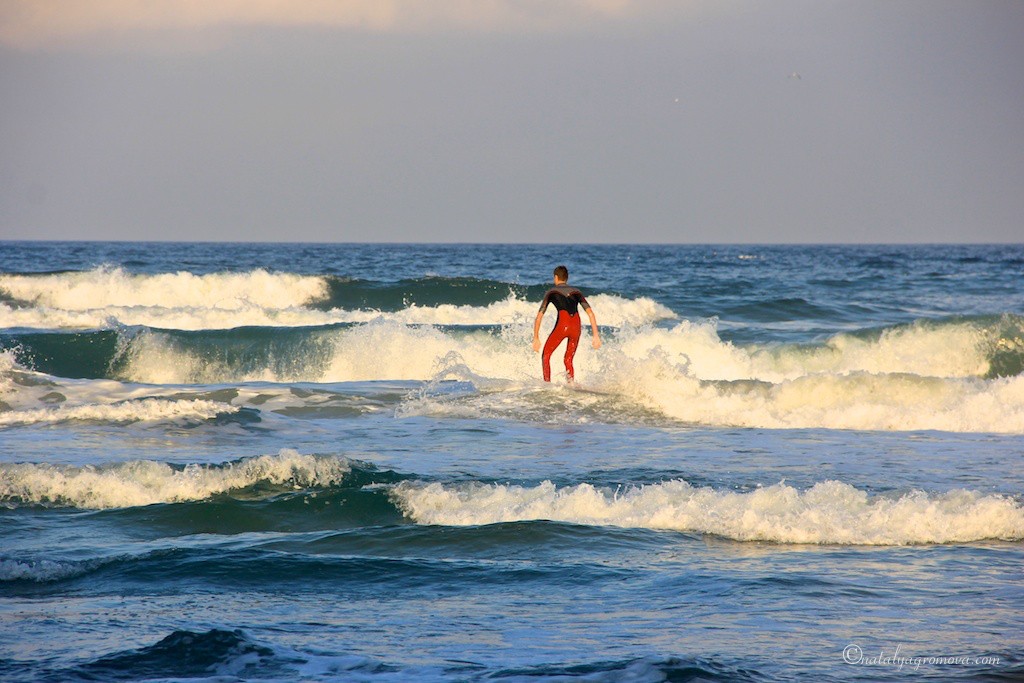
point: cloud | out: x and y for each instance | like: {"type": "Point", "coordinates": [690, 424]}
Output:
{"type": "Point", "coordinates": [43, 24]}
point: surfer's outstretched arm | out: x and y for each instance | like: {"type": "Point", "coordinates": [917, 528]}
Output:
{"type": "Point", "coordinates": [593, 326]}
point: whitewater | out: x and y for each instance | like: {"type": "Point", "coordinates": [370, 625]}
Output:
{"type": "Point", "coordinates": [339, 462]}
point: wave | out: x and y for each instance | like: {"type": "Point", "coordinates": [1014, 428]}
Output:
{"type": "Point", "coordinates": [29, 397]}
{"type": "Point", "coordinates": [145, 410]}
{"type": "Point", "coordinates": [232, 654]}
{"type": "Point", "coordinates": [985, 347]}
{"type": "Point", "coordinates": [44, 571]}
{"type": "Point", "coordinates": [859, 401]}
{"type": "Point", "coordinates": [615, 312]}
{"type": "Point", "coordinates": [830, 512]}
{"type": "Point", "coordinates": [183, 654]}
{"type": "Point", "coordinates": [293, 492]}
{"type": "Point", "coordinates": [950, 375]}
{"type": "Point", "coordinates": [109, 297]}
{"type": "Point", "coordinates": [932, 375]}
{"type": "Point", "coordinates": [114, 287]}
{"type": "Point", "coordinates": [146, 482]}
{"type": "Point", "coordinates": [111, 286]}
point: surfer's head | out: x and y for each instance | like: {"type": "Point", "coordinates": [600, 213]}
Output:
{"type": "Point", "coordinates": [561, 274]}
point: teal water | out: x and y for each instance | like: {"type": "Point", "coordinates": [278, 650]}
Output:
{"type": "Point", "coordinates": [338, 462]}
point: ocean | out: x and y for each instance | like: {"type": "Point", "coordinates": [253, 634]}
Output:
{"type": "Point", "coordinates": [338, 462]}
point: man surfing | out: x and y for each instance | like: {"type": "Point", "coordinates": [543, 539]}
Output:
{"type": "Point", "coordinates": [567, 301]}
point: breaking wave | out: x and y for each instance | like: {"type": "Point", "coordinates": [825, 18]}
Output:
{"type": "Point", "coordinates": [132, 411]}
{"type": "Point", "coordinates": [829, 512]}
{"type": "Point", "coordinates": [960, 375]}
{"type": "Point", "coordinates": [146, 482]}
{"type": "Point", "coordinates": [109, 297]}
{"type": "Point", "coordinates": [114, 287]}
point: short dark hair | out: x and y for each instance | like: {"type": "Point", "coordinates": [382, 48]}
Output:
{"type": "Point", "coordinates": [562, 273]}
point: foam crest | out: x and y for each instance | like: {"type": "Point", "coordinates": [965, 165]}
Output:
{"type": "Point", "coordinates": [147, 410]}
{"type": "Point", "coordinates": [664, 371]}
{"type": "Point", "coordinates": [861, 401]}
{"type": "Point", "coordinates": [929, 350]}
{"type": "Point", "coordinates": [612, 311]}
{"type": "Point", "coordinates": [925, 349]}
{"type": "Point", "coordinates": [381, 350]}
{"type": "Point", "coordinates": [290, 311]}
{"type": "Point", "coordinates": [829, 512]}
{"type": "Point", "coordinates": [8, 365]}
{"type": "Point", "coordinates": [391, 351]}
{"type": "Point", "coordinates": [40, 571]}
{"type": "Point", "coordinates": [105, 286]}
{"type": "Point", "coordinates": [174, 318]}
{"type": "Point", "coordinates": [145, 482]}
{"type": "Point", "coordinates": [917, 377]}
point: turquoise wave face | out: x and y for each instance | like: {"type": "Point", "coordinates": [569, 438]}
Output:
{"type": "Point", "coordinates": [382, 295]}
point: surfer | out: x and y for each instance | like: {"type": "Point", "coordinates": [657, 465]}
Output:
{"type": "Point", "coordinates": [567, 301]}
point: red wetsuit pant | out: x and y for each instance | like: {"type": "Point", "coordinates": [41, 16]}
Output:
{"type": "Point", "coordinates": [567, 327]}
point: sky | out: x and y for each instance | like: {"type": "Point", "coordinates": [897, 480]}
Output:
{"type": "Point", "coordinates": [562, 121]}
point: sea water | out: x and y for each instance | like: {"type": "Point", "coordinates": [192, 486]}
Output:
{"type": "Point", "coordinates": [338, 462]}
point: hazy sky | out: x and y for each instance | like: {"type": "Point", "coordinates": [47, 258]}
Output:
{"type": "Point", "coordinates": [512, 121]}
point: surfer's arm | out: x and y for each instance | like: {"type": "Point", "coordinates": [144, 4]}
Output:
{"type": "Point", "coordinates": [593, 326]}
{"type": "Point", "coordinates": [536, 329]}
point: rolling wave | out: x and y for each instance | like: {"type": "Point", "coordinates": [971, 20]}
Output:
{"type": "Point", "coordinates": [981, 347]}
{"type": "Point", "coordinates": [830, 512]}
{"type": "Point", "coordinates": [115, 287]}
{"type": "Point", "coordinates": [146, 410]}
{"type": "Point", "coordinates": [293, 492]}
{"type": "Point", "coordinates": [110, 297]}
{"type": "Point", "coordinates": [957, 374]}
{"type": "Point", "coordinates": [146, 482]}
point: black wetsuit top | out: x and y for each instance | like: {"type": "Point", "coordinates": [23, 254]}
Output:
{"type": "Point", "coordinates": [565, 298]}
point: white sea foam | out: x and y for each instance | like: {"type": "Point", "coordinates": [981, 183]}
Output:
{"type": "Point", "coordinates": [692, 348]}
{"type": "Point", "coordinates": [829, 512]}
{"type": "Point", "coordinates": [173, 318]}
{"type": "Point", "coordinates": [41, 571]}
{"type": "Point", "coordinates": [685, 373]}
{"type": "Point", "coordinates": [937, 350]}
{"type": "Point", "coordinates": [919, 377]}
{"type": "Point", "coordinates": [381, 350]}
{"type": "Point", "coordinates": [146, 410]}
{"type": "Point", "coordinates": [114, 287]}
{"type": "Point", "coordinates": [859, 400]}
{"type": "Point", "coordinates": [8, 366]}
{"type": "Point", "coordinates": [106, 297]}
{"type": "Point", "coordinates": [615, 312]}
{"type": "Point", "coordinates": [145, 482]}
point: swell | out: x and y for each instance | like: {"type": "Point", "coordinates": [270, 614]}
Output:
{"type": "Point", "coordinates": [429, 291]}
{"type": "Point", "coordinates": [167, 570]}
{"type": "Point", "coordinates": [233, 654]}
